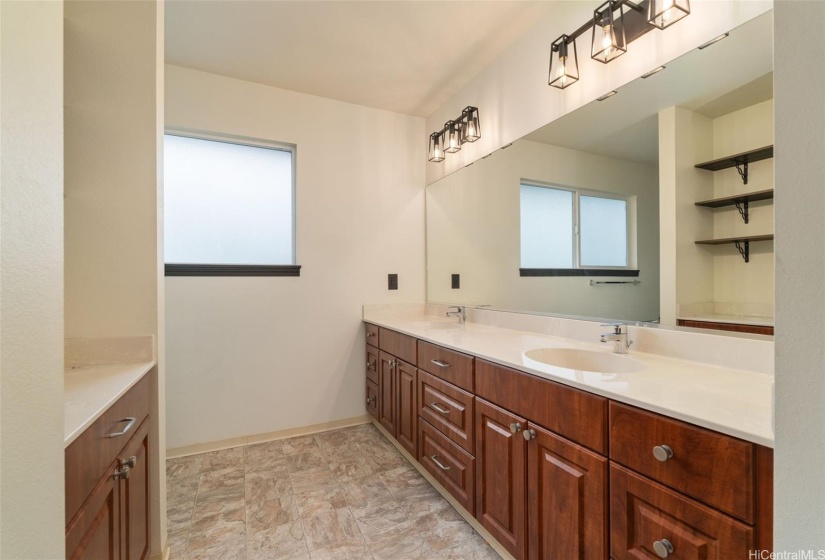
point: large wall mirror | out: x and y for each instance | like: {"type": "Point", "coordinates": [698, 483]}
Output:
{"type": "Point", "coordinates": [594, 215]}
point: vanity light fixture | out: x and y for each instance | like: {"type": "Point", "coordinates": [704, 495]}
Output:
{"type": "Point", "coordinates": [607, 95]}
{"type": "Point", "coordinates": [609, 39]}
{"type": "Point", "coordinates": [456, 132]}
{"type": "Point", "coordinates": [564, 69]}
{"type": "Point", "coordinates": [664, 13]}
{"type": "Point", "coordinates": [713, 41]}
{"type": "Point", "coordinates": [652, 72]}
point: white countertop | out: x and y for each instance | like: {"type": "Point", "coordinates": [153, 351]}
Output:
{"type": "Point", "coordinates": [731, 319]}
{"type": "Point", "coordinates": [735, 402]}
{"type": "Point", "coordinates": [89, 391]}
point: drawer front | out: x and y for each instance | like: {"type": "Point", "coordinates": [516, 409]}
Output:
{"type": "Point", "coordinates": [372, 399]}
{"type": "Point", "coordinates": [574, 414]}
{"type": "Point", "coordinates": [450, 366]}
{"type": "Point", "coordinates": [397, 344]}
{"type": "Point", "coordinates": [711, 467]}
{"type": "Point", "coordinates": [450, 465]}
{"type": "Point", "coordinates": [91, 454]}
{"type": "Point", "coordinates": [372, 334]}
{"type": "Point", "coordinates": [644, 514]}
{"type": "Point", "coordinates": [447, 408]}
{"type": "Point", "coordinates": [372, 364]}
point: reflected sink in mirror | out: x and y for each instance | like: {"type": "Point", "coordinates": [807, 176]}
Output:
{"type": "Point", "coordinates": [435, 325]}
{"type": "Point", "coordinates": [585, 360]}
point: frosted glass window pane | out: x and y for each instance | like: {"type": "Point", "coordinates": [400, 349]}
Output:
{"type": "Point", "coordinates": [226, 203]}
{"type": "Point", "coordinates": [546, 228]}
{"type": "Point", "coordinates": [603, 231]}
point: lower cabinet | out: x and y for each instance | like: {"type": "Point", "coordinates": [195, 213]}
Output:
{"type": "Point", "coordinates": [396, 407]}
{"type": "Point", "coordinates": [387, 388]}
{"type": "Point", "coordinates": [449, 464]}
{"type": "Point", "coordinates": [94, 533]}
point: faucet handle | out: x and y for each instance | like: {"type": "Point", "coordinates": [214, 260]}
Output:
{"type": "Point", "coordinates": [617, 327]}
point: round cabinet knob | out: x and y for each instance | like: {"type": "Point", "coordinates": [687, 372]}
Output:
{"type": "Point", "coordinates": [662, 453]}
{"type": "Point", "coordinates": [515, 427]}
{"type": "Point", "coordinates": [529, 434]}
{"type": "Point", "coordinates": [663, 548]}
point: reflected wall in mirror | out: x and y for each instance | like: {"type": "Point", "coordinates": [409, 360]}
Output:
{"type": "Point", "coordinates": [595, 215]}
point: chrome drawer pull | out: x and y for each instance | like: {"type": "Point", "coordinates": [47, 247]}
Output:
{"type": "Point", "coordinates": [131, 422]}
{"type": "Point", "coordinates": [663, 548]}
{"type": "Point", "coordinates": [121, 474]}
{"type": "Point", "coordinates": [439, 363]}
{"type": "Point", "coordinates": [370, 365]}
{"type": "Point", "coordinates": [441, 465]}
{"type": "Point", "coordinates": [440, 409]}
{"type": "Point", "coordinates": [130, 462]}
{"type": "Point", "coordinates": [662, 453]}
{"type": "Point", "coordinates": [370, 334]}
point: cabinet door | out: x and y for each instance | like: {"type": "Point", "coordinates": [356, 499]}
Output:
{"type": "Point", "coordinates": [94, 532]}
{"type": "Point", "coordinates": [372, 399]}
{"type": "Point", "coordinates": [407, 420]}
{"type": "Point", "coordinates": [501, 476]}
{"type": "Point", "coordinates": [567, 510]}
{"type": "Point", "coordinates": [134, 496]}
{"type": "Point", "coordinates": [386, 385]}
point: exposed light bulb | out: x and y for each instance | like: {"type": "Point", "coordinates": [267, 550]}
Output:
{"type": "Point", "coordinates": [667, 6]}
{"type": "Point", "coordinates": [607, 42]}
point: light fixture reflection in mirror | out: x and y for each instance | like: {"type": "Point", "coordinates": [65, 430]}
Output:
{"type": "Point", "coordinates": [436, 147]}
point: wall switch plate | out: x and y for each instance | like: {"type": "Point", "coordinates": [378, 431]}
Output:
{"type": "Point", "coordinates": [456, 281]}
{"type": "Point", "coordinates": [392, 281]}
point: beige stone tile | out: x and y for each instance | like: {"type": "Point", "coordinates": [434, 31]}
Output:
{"type": "Point", "coordinates": [383, 461]}
{"type": "Point", "coordinates": [179, 511]}
{"type": "Point", "coordinates": [420, 501]}
{"type": "Point", "coordinates": [402, 478]}
{"type": "Point", "coordinates": [262, 454]}
{"type": "Point", "coordinates": [412, 547]}
{"type": "Point", "coordinates": [265, 484]}
{"type": "Point", "coordinates": [337, 441]}
{"type": "Point", "coordinates": [212, 529]}
{"type": "Point", "coordinates": [177, 536]}
{"type": "Point", "coordinates": [444, 529]}
{"type": "Point", "coordinates": [305, 461]}
{"type": "Point", "coordinates": [223, 459]}
{"type": "Point", "coordinates": [366, 491]}
{"type": "Point", "coordinates": [350, 549]}
{"type": "Point", "coordinates": [299, 445]}
{"type": "Point", "coordinates": [378, 517]}
{"type": "Point", "coordinates": [474, 548]}
{"type": "Point", "coordinates": [216, 506]}
{"type": "Point", "coordinates": [285, 542]}
{"type": "Point", "coordinates": [395, 532]}
{"type": "Point", "coordinates": [320, 500]}
{"type": "Point", "coordinates": [223, 483]}
{"type": "Point", "coordinates": [329, 528]}
{"type": "Point", "coordinates": [234, 549]}
{"type": "Point", "coordinates": [312, 479]}
{"type": "Point", "coordinates": [351, 467]}
{"type": "Point", "coordinates": [184, 467]}
{"type": "Point", "coordinates": [182, 488]}
{"type": "Point", "coordinates": [264, 514]}
{"type": "Point", "coordinates": [177, 552]}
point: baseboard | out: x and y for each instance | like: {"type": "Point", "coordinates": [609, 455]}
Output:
{"type": "Point", "coordinates": [162, 555]}
{"type": "Point", "coordinates": [262, 438]}
{"type": "Point", "coordinates": [447, 496]}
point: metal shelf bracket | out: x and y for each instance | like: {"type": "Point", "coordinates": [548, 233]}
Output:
{"type": "Point", "coordinates": [744, 251]}
{"type": "Point", "coordinates": [742, 168]}
{"type": "Point", "coordinates": [743, 210]}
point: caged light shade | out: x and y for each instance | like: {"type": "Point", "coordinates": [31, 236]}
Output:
{"type": "Point", "coordinates": [664, 13]}
{"type": "Point", "coordinates": [564, 68]}
{"type": "Point", "coordinates": [470, 129]}
{"type": "Point", "coordinates": [452, 143]}
{"type": "Point", "coordinates": [609, 40]}
{"type": "Point", "coordinates": [436, 152]}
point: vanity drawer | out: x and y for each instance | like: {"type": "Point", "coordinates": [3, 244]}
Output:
{"type": "Point", "coordinates": [711, 467]}
{"type": "Point", "coordinates": [574, 414]}
{"type": "Point", "coordinates": [397, 344]}
{"type": "Point", "coordinates": [372, 364]}
{"type": "Point", "coordinates": [643, 513]}
{"type": "Point", "coordinates": [372, 334]}
{"type": "Point", "coordinates": [372, 399]}
{"type": "Point", "coordinates": [446, 407]}
{"type": "Point", "coordinates": [449, 365]}
{"type": "Point", "coordinates": [450, 465]}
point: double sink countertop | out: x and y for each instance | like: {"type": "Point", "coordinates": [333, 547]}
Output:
{"type": "Point", "coordinates": [734, 402]}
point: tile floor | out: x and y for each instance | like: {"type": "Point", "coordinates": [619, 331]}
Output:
{"type": "Point", "coordinates": [343, 494]}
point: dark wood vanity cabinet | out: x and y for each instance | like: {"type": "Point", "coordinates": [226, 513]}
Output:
{"type": "Point", "coordinates": [107, 483]}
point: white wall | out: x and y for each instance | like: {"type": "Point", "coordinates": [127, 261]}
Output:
{"type": "Point", "coordinates": [114, 123]}
{"type": "Point", "coordinates": [473, 229]}
{"type": "Point", "coordinates": [512, 93]}
{"type": "Point", "coordinates": [799, 80]}
{"type": "Point", "coordinates": [32, 508]}
{"type": "Point", "coordinates": [254, 355]}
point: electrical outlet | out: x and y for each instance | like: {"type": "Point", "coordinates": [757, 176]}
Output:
{"type": "Point", "coordinates": [456, 281]}
{"type": "Point", "coordinates": [392, 281]}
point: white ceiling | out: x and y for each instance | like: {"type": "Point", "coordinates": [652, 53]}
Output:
{"type": "Point", "coordinates": [406, 56]}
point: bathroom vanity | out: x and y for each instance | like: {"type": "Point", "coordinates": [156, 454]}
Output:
{"type": "Point", "coordinates": [674, 461]}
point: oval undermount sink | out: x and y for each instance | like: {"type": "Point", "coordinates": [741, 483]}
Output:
{"type": "Point", "coordinates": [585, 360]}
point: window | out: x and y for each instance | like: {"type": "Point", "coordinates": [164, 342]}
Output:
{"type": "Point", "coordinates": [569, 232]}
{"type": "Point", "coordinates": [228, 207]}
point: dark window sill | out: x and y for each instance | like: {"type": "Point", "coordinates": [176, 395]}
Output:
{"type": "Point", "coordinates": [577, 272]}
{"type": "Point", "coordinates": [232, 270]}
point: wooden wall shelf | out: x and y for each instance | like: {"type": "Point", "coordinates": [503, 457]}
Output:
{"type": "Point", "coordinates": [743, 244]}
{"type": "Point", "coordinates": [737, 199]}
{"type": "Point", "coordinates": [737, 159]}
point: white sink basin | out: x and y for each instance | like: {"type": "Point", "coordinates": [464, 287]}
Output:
{"type": "Point", "coordinates": [585, 360]}
{"type": "Point", "coordinates": [436, 325]}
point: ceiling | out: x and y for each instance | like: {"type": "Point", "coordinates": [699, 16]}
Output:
{"type": "Point", "coordinates": [407, 56]}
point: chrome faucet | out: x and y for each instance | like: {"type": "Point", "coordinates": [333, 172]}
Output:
{"type": "Point", "coordinates": [457, 311]}
{"type": "Point", "coordinates": [618, 337]}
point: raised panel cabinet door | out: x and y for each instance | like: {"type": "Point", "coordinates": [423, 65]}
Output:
{"type": "Point", "coordinates": [567, 509]}
{"type": "Point", "coordinates": [372, 399]}
{"type": "Point", "coordinates": [501, 476]}
{"type": "Point", "coordinates": [94, 532]}
{"type": "Point", "coordinates": [372, 364]}
{"type": "Point", "coordinates": [387, 392]}
{"type": "Point", "coordinates": [407, 420]}
{"type": "Point", "coordinates": [134, 496]}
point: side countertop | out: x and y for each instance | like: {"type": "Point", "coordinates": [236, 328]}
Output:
{"type": "Point", "coordinates": [735, 402]}
{"type": "Point", "coordinates": [89, 391]}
